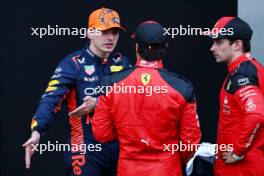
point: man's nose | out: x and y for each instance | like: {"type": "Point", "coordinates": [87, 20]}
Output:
{"type": "Point", "coordinates": [212, 48]}
{"type": "Point", "coordinates": [110, 36]}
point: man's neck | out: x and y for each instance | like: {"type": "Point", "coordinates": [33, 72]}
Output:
{"type": "Point", "coordinates": [152, 64]}
{"type": "Point", "coordinates": [97, 52]}
{"type": "Point", "coordinates": [235, 56]}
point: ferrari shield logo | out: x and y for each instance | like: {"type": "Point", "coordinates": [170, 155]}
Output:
{"type": "Point", "coordinates": [145, 78]}
{"type": "Point", "coordinates": [89, 69]}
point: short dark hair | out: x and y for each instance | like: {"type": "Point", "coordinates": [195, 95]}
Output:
{"type": "Point", "coordinates": [246, 44]}
{"type": "Point", "coordinates": [152, 52]}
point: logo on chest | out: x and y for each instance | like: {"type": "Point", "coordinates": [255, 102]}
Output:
{"type": "Point", "coordinates": [251, 106]}
{"type": "Point", "coordinates": [91, 79]}
{"type": "Point", "coordinates": [89, 69]}
{"type": "Point", "coordinates": [226, 106]}
{"type": "Point", "coordinates": [81, 60]}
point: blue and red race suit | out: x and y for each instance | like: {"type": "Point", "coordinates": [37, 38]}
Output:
{"type": "Point", "coordinates": [78, 75]}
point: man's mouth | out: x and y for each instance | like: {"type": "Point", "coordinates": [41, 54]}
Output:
{"type": "Point", "coordinates": [215, 55]}
{"type": "Point", "coordinates": [109, 45]}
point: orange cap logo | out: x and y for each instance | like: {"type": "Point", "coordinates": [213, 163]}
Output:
{"type": "Point", "coordinates": [104, 19]}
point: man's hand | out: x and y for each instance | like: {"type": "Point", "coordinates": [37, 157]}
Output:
{"type": "Point", "coordinates": [33, 140]}
{"type": "Point", "coordinates": [229, 159]}
{"type": "Point", "coordinates": [88, 106]}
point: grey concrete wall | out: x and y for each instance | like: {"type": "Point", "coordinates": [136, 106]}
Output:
{"type": "Point", "coordinates": [252, 11]}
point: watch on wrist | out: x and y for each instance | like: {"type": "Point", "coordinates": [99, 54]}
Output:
{"type": "Point", "coordinates": [236, 157]}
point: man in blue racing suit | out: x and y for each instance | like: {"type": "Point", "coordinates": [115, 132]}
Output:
{"type": "Point", "coordinates": [75, 80]}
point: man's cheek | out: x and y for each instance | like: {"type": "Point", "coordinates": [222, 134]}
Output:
{"type": "Point", "coordinates": [117, 37]}
{"type": "Point", "coordinates": [101, 44]}
{"type": "Point", "coordinates": [115, 43]}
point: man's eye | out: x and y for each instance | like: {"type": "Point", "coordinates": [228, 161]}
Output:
{"type": "Point", "coordinates": [115, 31]}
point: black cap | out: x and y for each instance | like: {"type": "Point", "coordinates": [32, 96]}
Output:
{"type": "Point", "coordinates": [150, 32]}
{"type": "Point", "coordinates": [240, 28]}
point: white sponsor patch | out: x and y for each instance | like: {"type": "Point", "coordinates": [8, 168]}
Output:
{"type": "Point", "coordinates": [58, 70]}
{"type": "Point", "coordinates": [56, 76]}
{"type": "Point", "coordinates": [252, 136]}
{"type": "Point", "coordinates": [251, 106]}
{"type": "Point", "coordinates": [81, 61]}
{"type": "Point", "coordinates": [243, 81]}
{"type": "Point", "coordinates": [117, 60]}
{"type": "Point", "coordinates": [91, 79]}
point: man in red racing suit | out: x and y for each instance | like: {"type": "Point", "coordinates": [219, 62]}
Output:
{"type": "Point", "coordinates": [150, 125]}
{"type": "Point", "coordinates": [241, 116]}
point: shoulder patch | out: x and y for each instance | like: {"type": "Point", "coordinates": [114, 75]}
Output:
{"type": "Point", "coordinates": [76, 58]}
{"type": "Point", "coordinates": [179, 83]}
{"type": "Point", "coordinates": [244, 75]}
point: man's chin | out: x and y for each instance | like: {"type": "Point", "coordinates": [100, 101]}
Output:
{"type": "Point", "coordinates": [108, 50]}
{"type": "Point", "coordinates": [218, 60]}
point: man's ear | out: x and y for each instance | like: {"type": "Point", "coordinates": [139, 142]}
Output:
{"type": "Point", "coordinates": [89, 36]}
{"type": "Point", "coordinates": [238, 45]}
